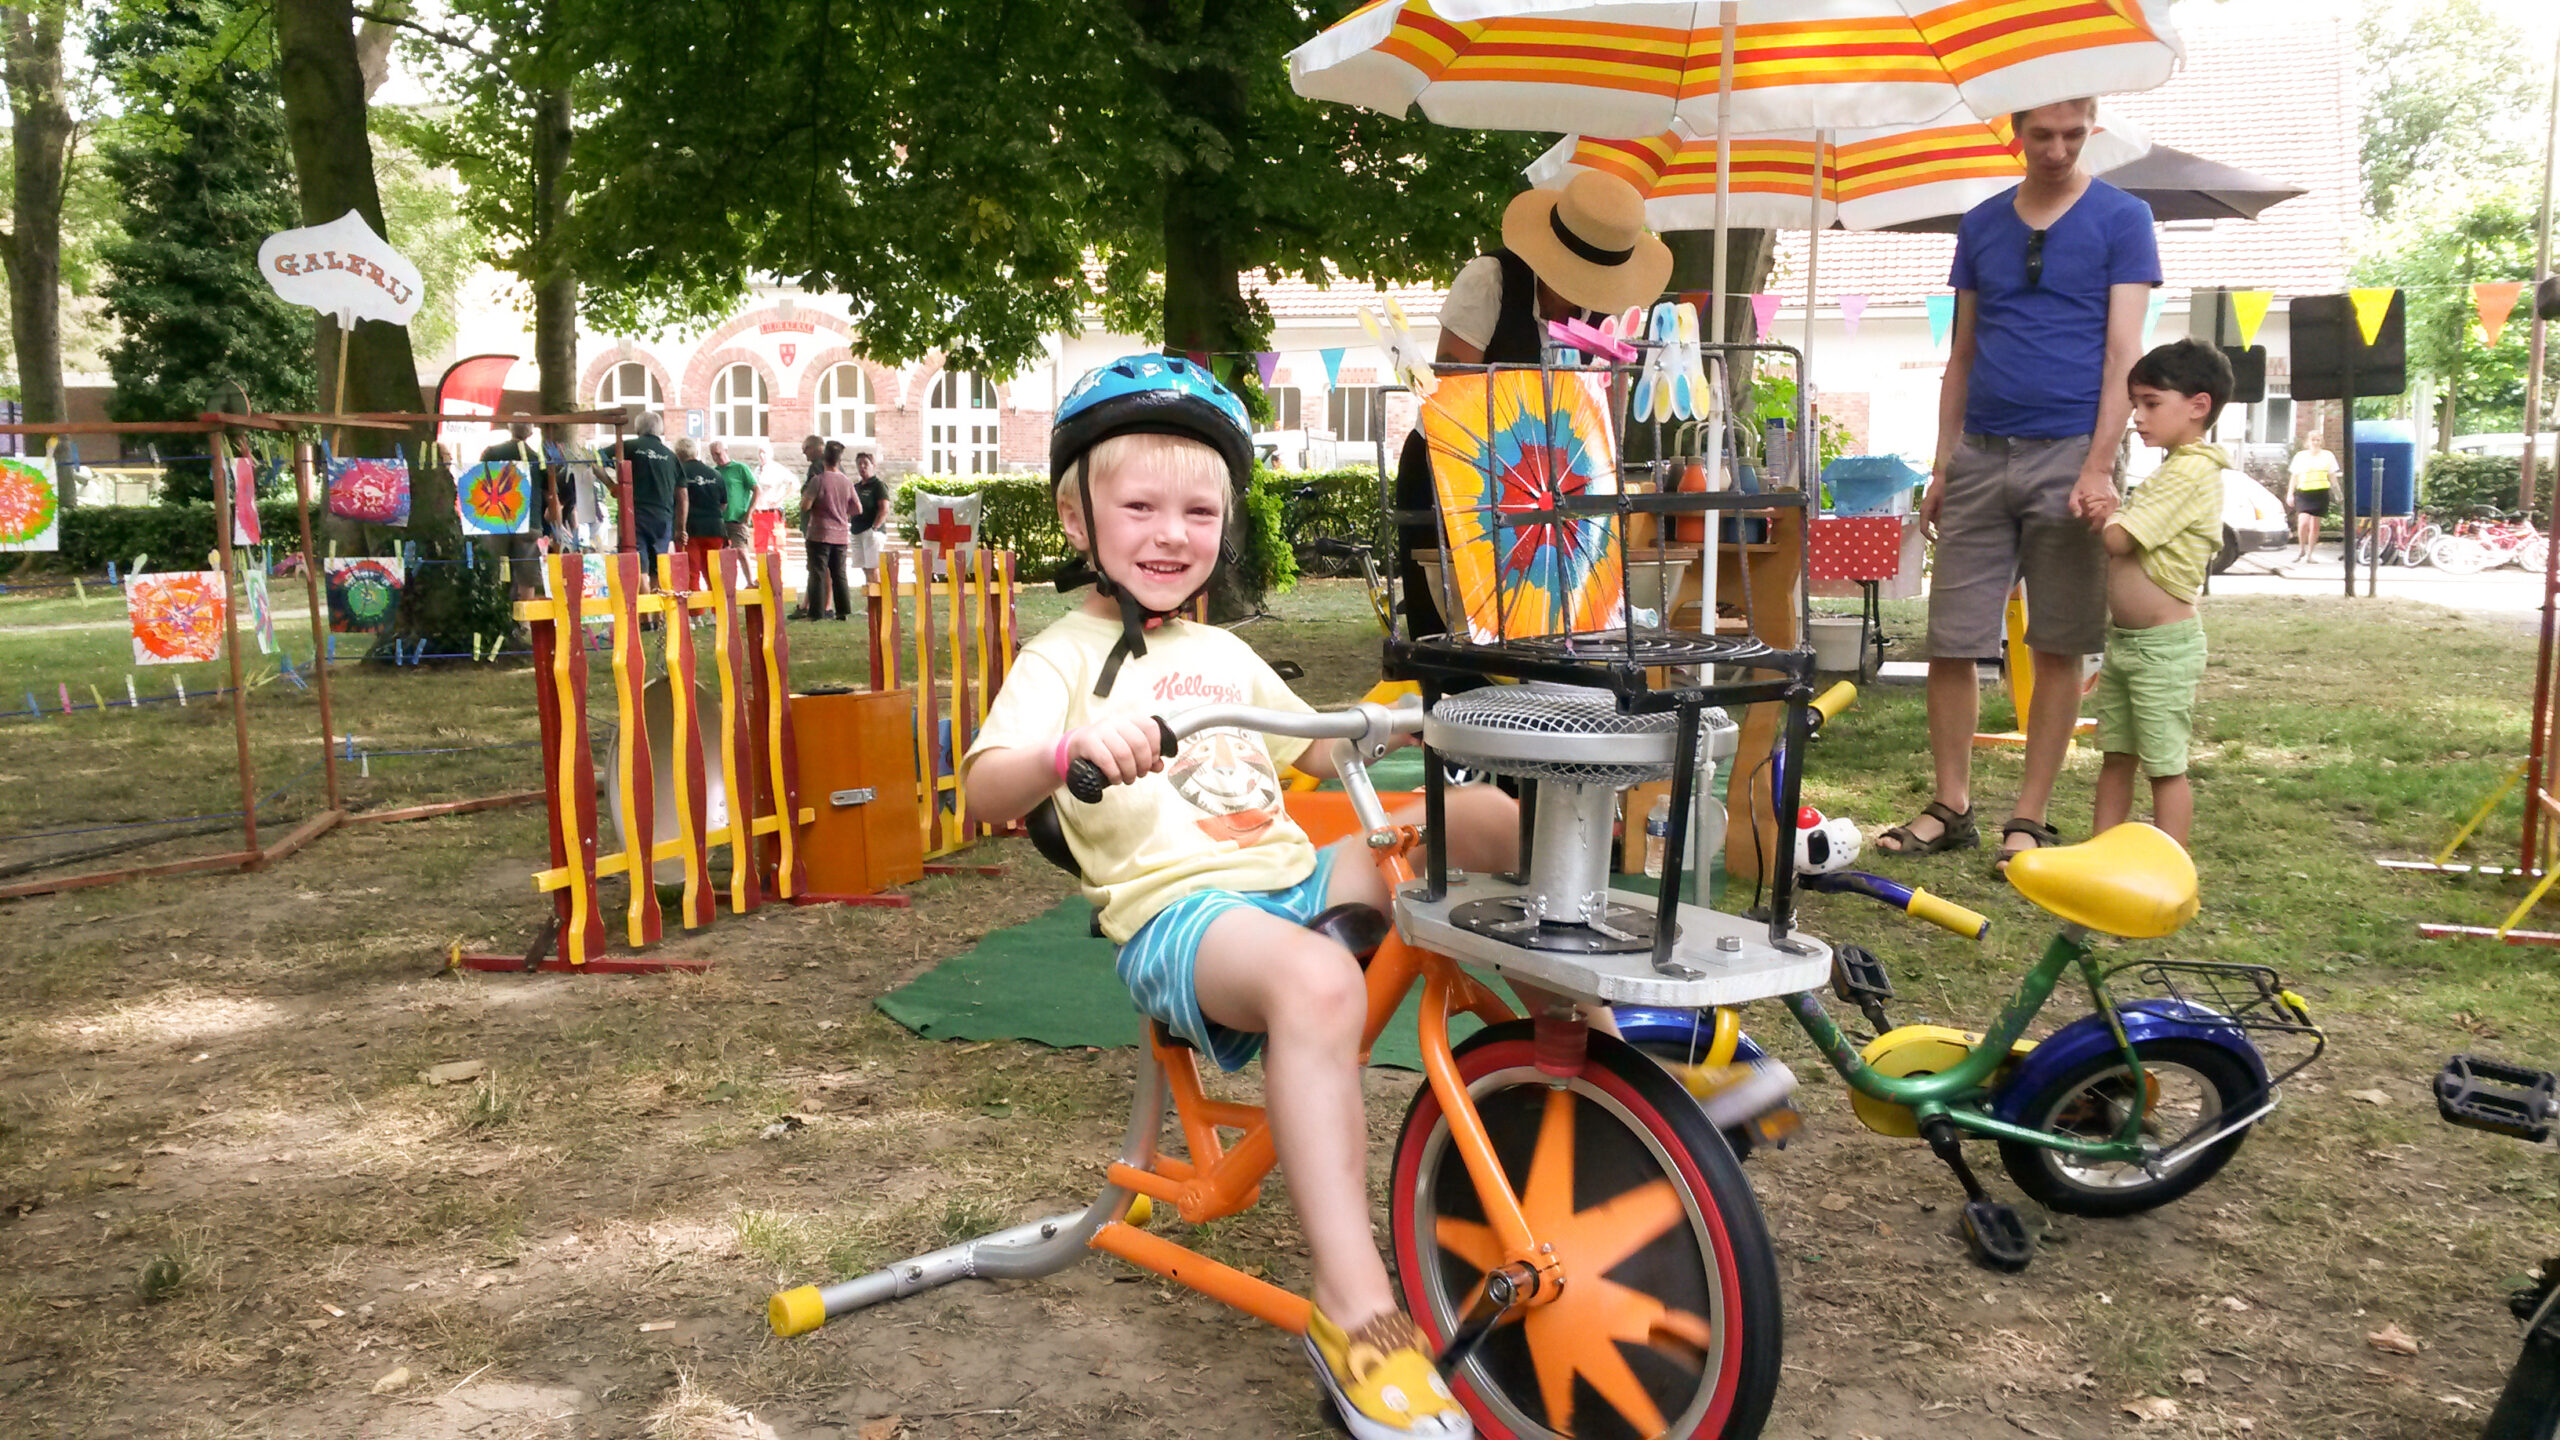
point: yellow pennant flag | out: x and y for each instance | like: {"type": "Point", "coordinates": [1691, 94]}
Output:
{"type": "Point", "coordinates": [2249, 307]}
{"type": "Point", "coordinates": [2372, 302]}
{"type": "Point", "coordinates": [2494, 301]}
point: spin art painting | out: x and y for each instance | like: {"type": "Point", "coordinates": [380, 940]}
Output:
{"type": "Point", "coordinates": [244, 502]}
{"type": "Point", "coordinates": [178, 616]}
{"type": "Point", "coordinates": [494, 498]}
{"type": "Point", "coordinates": [30, 509]}
{"type": "Point", "coordinates": [262, 613]}
{"type": "Point", "coordinates": [375, 492]}
{"type": "Point", "coordinates": [364, 594]}
{"type": "Point", "coordinates": [1513, 442]}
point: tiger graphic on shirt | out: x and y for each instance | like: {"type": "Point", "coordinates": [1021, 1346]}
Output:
{"type": "Point", "coordinates": [1225, 773]}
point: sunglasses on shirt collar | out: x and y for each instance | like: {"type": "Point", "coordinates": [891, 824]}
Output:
{"type": "Point", "coordinates": [2035, 258]}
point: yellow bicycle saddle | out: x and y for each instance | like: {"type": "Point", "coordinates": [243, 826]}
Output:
{"type": "Point", "coordinates": [2133, 881]}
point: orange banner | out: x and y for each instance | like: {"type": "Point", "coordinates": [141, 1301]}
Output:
{"type": "Point", "coordinates": [2494, 300]}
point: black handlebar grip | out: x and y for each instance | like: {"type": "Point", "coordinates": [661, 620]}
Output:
{"type": "Point", "coordinates": [1085, 780]}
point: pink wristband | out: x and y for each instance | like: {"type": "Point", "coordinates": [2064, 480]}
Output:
{"type": "Point", "coordinates": [1058, 758]}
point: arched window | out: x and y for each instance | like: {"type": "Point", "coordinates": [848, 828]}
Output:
{"type": "Point", "coordinates": [960, 425]}
{"type": "Point", "coordinates": [845, 404]}
{"type": "Point", "coordinates": [738, 406]}
{"type": "Point", "coordinates": [630, 384]}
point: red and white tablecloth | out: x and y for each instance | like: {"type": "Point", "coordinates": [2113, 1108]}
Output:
{"type": "Point", "coordinates": [1848, 549]}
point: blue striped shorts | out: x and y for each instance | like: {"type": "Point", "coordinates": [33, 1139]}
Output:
{"type": "Point", "coordinates": [1158, 962]}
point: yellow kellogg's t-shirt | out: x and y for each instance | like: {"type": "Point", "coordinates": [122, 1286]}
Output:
{"type": "Point", "coordinates": [1212, 819]}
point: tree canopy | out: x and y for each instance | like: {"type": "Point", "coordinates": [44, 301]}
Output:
{"type": "Point", "coordinates": [2454, 96]}
{"type": "Point", "coordinates": [978, 175]}
{"type": "Point", "coordinates": [2436, 247]}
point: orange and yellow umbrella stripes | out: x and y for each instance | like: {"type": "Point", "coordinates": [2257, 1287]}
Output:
{"type": "Point", "coordinates": [1637, 69]}
{"type": "Point", "coordinates": [1866, 179]}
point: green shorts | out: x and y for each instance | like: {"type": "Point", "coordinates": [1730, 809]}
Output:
{"type": "Point", "coordinates": [2146, 698]}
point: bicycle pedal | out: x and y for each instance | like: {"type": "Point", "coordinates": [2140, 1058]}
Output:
{"type": "Point", "coordinates": [2502, 1099]}
{"type": "Point", "coordinates": [1998, 1237]}
{"type": "Point", "coordinates": [1856, 974]}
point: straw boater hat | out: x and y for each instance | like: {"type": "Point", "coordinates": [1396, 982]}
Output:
{"type": "Point", "coordinates": [1588, 242]}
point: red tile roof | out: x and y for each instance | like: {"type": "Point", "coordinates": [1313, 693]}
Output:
{"type": "Point", "coordinates": [2273, 98]}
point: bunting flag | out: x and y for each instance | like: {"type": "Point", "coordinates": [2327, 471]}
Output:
{"type": "Point", "coordinates": [2151, 313]}
{"type": "Point", "coordinates": [1197, 357]}
{"type": "Point", "coordinates": [1764, 311]}
{"type": "Point", "coordinates": [1332, 366]}
{"type": "Point", "coordinates": [2495, 300]}
{"type": "Point", "coordinates": [1268, 363]}
{"type": "Point", "coordinates": [1942, 320]}
{"type": "Point", "coordinates": [2373, 303]}
{"type": "Point", "coordinates": [2249, 307]}
{"type": "Point", "coordinates": [1852, 309]}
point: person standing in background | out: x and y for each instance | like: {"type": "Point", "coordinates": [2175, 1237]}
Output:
{"type": "Point", "coordinates": [524, 551]}
{"type": "Point", "coordinates": [738, 489]}
{"type": "Point", "coordinates": [701, 511]}
{"type": "Point", "coordinates": [871, 503]}
{"type": "Point", "coordinates": [2310, 480]}
{"type": "Point", "coordinates": [652, 491]}
{"type": "Point", "coordinates": [826, 515]}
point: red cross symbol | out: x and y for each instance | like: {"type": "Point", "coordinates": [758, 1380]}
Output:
{"type": "Point", "coordinates": [946, 532]}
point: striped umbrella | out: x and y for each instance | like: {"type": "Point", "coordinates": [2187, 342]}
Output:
{"type": "Point", "coordinates": [1856, 180]}
{"type": "Point", "coordinates": [1643, 69]}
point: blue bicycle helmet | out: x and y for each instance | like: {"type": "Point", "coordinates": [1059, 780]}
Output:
{"type": "Point", "coordinates": [1154, 394]}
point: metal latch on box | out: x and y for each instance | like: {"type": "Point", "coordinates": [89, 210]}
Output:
{"type": "Point", "coordinates": [862, 796]}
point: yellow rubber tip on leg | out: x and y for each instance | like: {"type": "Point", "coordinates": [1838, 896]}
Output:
{"type": "Point", "coordinates": [796, 1312]}
{"type": "Point", "coordinates": [1141, 1210]}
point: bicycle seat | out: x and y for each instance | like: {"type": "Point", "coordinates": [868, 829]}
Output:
{"type": "Point", "coordinates": [2133, 881]}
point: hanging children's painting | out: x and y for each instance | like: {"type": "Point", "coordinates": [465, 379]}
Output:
{"type": "Point", "coordinates": [30, 509]}
{"type": "Point", "coordinates": [375, 492]}
{"type": "Point", "coordinates": [244, 501]}
{"type": "Point", "coordinates": [1515, 442]}
{"type": "Point", "coordinates": [494, 498]}
{"type": "Point", "coordinates": [364, 593]}
{"type": "Point", "coordinates": [261, 611]}
{"type": "Point", "coordinates": [177, 616]}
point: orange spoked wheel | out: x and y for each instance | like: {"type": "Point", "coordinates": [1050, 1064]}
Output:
{"type": "Point", "coordinates": [1668, 1322]}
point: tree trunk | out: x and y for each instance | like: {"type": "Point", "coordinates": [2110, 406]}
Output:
{"type": "Point", "coordinates": [40, 121]}
{"type": "Point", "coordinates": [2444, 431]}
{"type": "Point", "coordinates": [324, 111]}
{"type": "Point", "coordinates": [555, 282]}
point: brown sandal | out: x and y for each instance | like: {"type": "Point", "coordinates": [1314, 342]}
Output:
{"type": "Point", "coordinates": [2044, 836]}
{"type": "Point", "coordinates": [1955, 832]}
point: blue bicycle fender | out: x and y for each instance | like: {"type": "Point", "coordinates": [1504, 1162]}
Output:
{"type": "Point", "coordinates": [1648, 1025]}
{"type": "Point", "coordinates": [2077, 1042]}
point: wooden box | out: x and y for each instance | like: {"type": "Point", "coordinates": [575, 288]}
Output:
{"type": "Point", "coordinates": [858, 772]}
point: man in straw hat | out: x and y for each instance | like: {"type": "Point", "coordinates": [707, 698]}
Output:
{"type": "Point", "coordinates": [1581, 251]}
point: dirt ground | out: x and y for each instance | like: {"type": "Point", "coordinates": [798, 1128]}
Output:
{"type": "Point", "coordinates": [232, 1204]}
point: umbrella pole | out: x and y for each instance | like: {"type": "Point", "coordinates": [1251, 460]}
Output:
{"type": "Point", "coordinates": [1721, 390]}
{"type": "Point", "coordinates": [1812, 272]}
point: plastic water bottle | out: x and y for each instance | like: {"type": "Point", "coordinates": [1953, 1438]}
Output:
{"type": "Point", "coordinates": [1657, 832]}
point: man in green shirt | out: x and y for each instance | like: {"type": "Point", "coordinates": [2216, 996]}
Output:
{"type": "Point", "coordinates": [740, 483]}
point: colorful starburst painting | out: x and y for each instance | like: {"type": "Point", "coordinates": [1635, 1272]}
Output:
{"type": "Point", "coordinates": [364, 593]}
{"type": "Point", "coordinates": [30, 507]}
{"type": "Point", "coordinates": [177, 615]}
{"type": "Point", "coordinates": [375, 492]}
{"type": "Point", "coordinates": [1509, 444]}
{"type": "Point", "coordinates": [494, 498]}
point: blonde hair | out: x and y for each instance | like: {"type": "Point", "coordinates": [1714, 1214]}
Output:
{"type": "Point", "coordinates": [1179, 456]}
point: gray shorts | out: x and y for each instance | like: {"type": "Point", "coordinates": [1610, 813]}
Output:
{"type": "Point", "coordinates": [2006, 516]}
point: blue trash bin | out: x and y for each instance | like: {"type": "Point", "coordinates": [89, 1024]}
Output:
{"type": "Point", "coordinates": [2391, 443]}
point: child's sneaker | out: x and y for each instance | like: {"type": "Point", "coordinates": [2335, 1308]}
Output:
{"type": "Point", "coordinates": [1382, 1381]}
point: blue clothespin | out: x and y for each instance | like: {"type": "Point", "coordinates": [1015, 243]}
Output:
{"type": "Point", "coordinates": [111, 574]}
{"type": "Point", "coordinates": [333, 645]}
{"type": "Point", "coordinates": [32, 708]}
{"type": "Point", "coordinates": [470, 556]}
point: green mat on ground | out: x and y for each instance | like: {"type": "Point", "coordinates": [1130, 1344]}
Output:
{"type": "Point", "coordinates": [1050, 980]}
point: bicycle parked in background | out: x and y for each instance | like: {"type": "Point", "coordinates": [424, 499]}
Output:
{"type": "Point", "coordinates": [2491, 537]}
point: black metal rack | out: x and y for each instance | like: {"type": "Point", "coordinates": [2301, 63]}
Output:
{"type": "Point", "coordinates": [1648, 668]}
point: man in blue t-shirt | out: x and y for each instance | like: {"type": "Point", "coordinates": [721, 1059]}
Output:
{"type": "Point", "coordinates": [2051, 282]}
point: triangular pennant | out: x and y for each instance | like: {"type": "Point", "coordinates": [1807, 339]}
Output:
{"type": "Point", "coordinates": [1942, 319]}
{"type": "Point", "coordinates": [2494, 300]}
{"type": "Point", "coordinates": [1197, 357]}
{"type": "Point", "coordinates": [1333, 366]}
{"type": "Point", "coordinates": [2249, 307]}
{"type": "Point", "coordinates": [1267, 362]}
{"type": "Point", "coordinates": [2372, 303]}
{"type": "Point", "coordinates": [1852, 309]}
{"type": "Point", "coordinates": [1764, 312]}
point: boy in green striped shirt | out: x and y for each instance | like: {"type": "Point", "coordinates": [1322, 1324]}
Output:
{"type": "Point", "coordinates": [2158, 545]}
